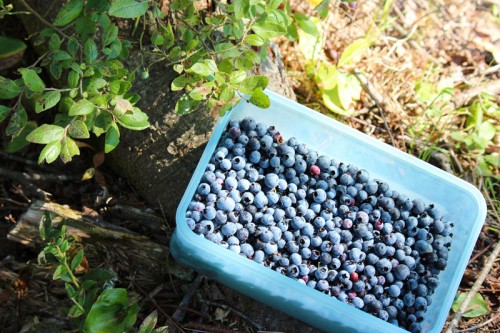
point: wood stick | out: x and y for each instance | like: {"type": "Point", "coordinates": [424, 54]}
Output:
{"type": "Point", "coordinates": [479, 282]}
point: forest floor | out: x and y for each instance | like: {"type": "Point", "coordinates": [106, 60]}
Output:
{"type": "Point", "coordinates": [430, 75]}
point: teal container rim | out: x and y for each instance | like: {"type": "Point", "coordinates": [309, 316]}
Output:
{"type": "Point", "coordinates": [182, 230]}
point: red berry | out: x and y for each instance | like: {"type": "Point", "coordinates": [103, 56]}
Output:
{"type": "Point", "coordinates": [354, 277]}
{"type": "Point", "coordinates": [315, 170]}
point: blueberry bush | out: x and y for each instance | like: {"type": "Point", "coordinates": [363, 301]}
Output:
{"type": "Point", "coordinates": [81, 79]}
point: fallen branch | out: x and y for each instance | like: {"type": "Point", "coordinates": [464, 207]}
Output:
{"type": "Point", "coordinates": [377, 98]}
{"type": "Point", "coordinates": [475, 288]}
{"type": "Point", "coordinates": [134, 255]}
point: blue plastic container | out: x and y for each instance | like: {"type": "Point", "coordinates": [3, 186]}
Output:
{"type": "Point", "coordinates": [458, 200]}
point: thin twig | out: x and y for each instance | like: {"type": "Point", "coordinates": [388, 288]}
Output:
{"type": "Point", "coordinates": [473, 328]}
{"type": "Point", "coordinates": [179, 314]}
{"type": "Point", "coordinates": [377, 99]}
{"type": "Point", "coordinates": [18, 159]}
{"type": "Point", "coordinates": [43, 20]}
{"type": "Point", "coordinates": [39, 176]}
{"type": "Point", "coordinates": [477, 285]}
{"type": "Point", "coordinates": [24, 180]}
{"type": "Point", "coordinates": [168, 317]}
{"type": "Point", "coordinates": [257, 325]}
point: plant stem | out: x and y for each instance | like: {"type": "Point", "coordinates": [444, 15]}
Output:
{"type": "Point", "coordinates": [77, 304]}
{"type": "Point", "coordinates": [43, 20]}
{"type": "Point", "coordinates": [70, 272]}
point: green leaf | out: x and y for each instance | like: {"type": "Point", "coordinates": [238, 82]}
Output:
{"type": "Point", "coordinates": [8, 88]}
{"type": "Point", "coordinates": [149, 323]}
{"type": "Point", "coordinates": [32, 80]}
{"type": "Point", "coordinates": [73, 79]}
{"type": "Point", "coordinates": [225, 66]}
{"type": "Point", "coordinates": [186, 105]}
{"type": "Point", "coordinates": [55, 69]}
{"type": "Point", "coordinates": [77, 260]}
{"type": "Point", "coordinates": [110, 313]}
{"type": "Point", "coordinates": [226, 94]}
{"type": "Point", "coordinates": [227, 49]}
{"type": "Point", "coordinates": [72, 293]}
{"type": "Point", "coordinates": [68, 149]}
{"type": "Point", "coordinates": [181, 82]}
{"type": "Point", "coordinates": [47, 101]}
{"type": "Point", "coordinates": [267, 29]}
{"type": "Point", "coordinates": [112, 138]}
{"type": "Point", "coordinates": [4, 112]}
{"type": "Point", "coordinates": [487, 131]}
{"type": "Point", "coordinates": [307, 25]}
{"type": "Point", "coordinates": [201, 69]}
{"type": "Point", "coordinates": [237, 76]}
{"type": "Point", "coordinates": [128, 8]}
{"type": "Point", "coordinates": [240, 8]}
{"type": "Point", "coordinates": [45, 134]}
{"type": "Point", "coordinates": [11, 47]}
{"type": "Point", "coordinates": [354, 51]}
{"type": "Point", "coordinates": [90, 51]}
{"type": "Point", "coordinates": [260, 99]}
{"type": "Point", "coordinates": [17, 122]}
{"type": "Point", "coordinates": [115, 49]}
{"type": "Point", "coordinates": [322, 8]}
{"type": "Point", "coordinates": [80, 108]}
{"type": "Point", "coordinates": [102, 122]}
{"type": "Point", "coordinates": [135, 120]}
{"type": "Point", "coordinates": [119, 87]}
{"type": "Point", "coordinates": [19, 142]}
{"type": "Point", "coordinates": [251, 83]}
{"type": "Point", "coordinates": [59, 55]}
{"type": "Point", "coordinates": [244, 63]}
{"type": "Point", "coordinates": [109, 34]}
{"type": "Point", "coordinates": [78, 130]}
{"type": "Point", "coordinates": [349, 90]}
{"type": "Point", "coordinates": [54, 42]}
{"type": "Point", "coordinates": [69, 11]}
{"type": "Point", "coordinates": [157, 39]}
{"type": "Point", "coordinates": [50, 152]}
{"type": "Point", "coordinates": [58, 273]}
{"type": "Point", "coordinates": [254, 40]}
{"type": "Point", "coordinates": [476, 308]}
{"type": "Point", "coordinates": [73, 46]}
{"type": "Point", "coordinates": [85, 27]}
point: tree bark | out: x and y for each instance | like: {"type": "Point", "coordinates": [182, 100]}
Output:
{"type": "Point", "coordinates": [159, 162]}
{"type": "Point", "coordinates": [131, 255]}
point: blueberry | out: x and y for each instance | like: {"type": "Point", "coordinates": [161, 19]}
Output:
{"type": "Point", "coordinates": [295, 259]}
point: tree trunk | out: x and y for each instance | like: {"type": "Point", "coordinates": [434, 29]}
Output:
{"type": "Point", "coordinates": [159, 161]}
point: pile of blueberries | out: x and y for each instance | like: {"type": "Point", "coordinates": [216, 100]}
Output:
{"type": "Point", "coordinates": [321, 222]}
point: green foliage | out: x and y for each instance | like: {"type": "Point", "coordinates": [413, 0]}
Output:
{"type": "Point", "coordinates": [476, 308]}
{"type": "Point", "coordinates": [98, 307]}
{"type": "Point", "coordinates": [10, 47]}
{"type": "Point", "coordinates": [339, 88]}
{"type": "Point", "coordinates": [215, 53]}
{"type": "Point", "coordinates": [93, 95]}
{"type": "Point", "coordinates": [481, 134]}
